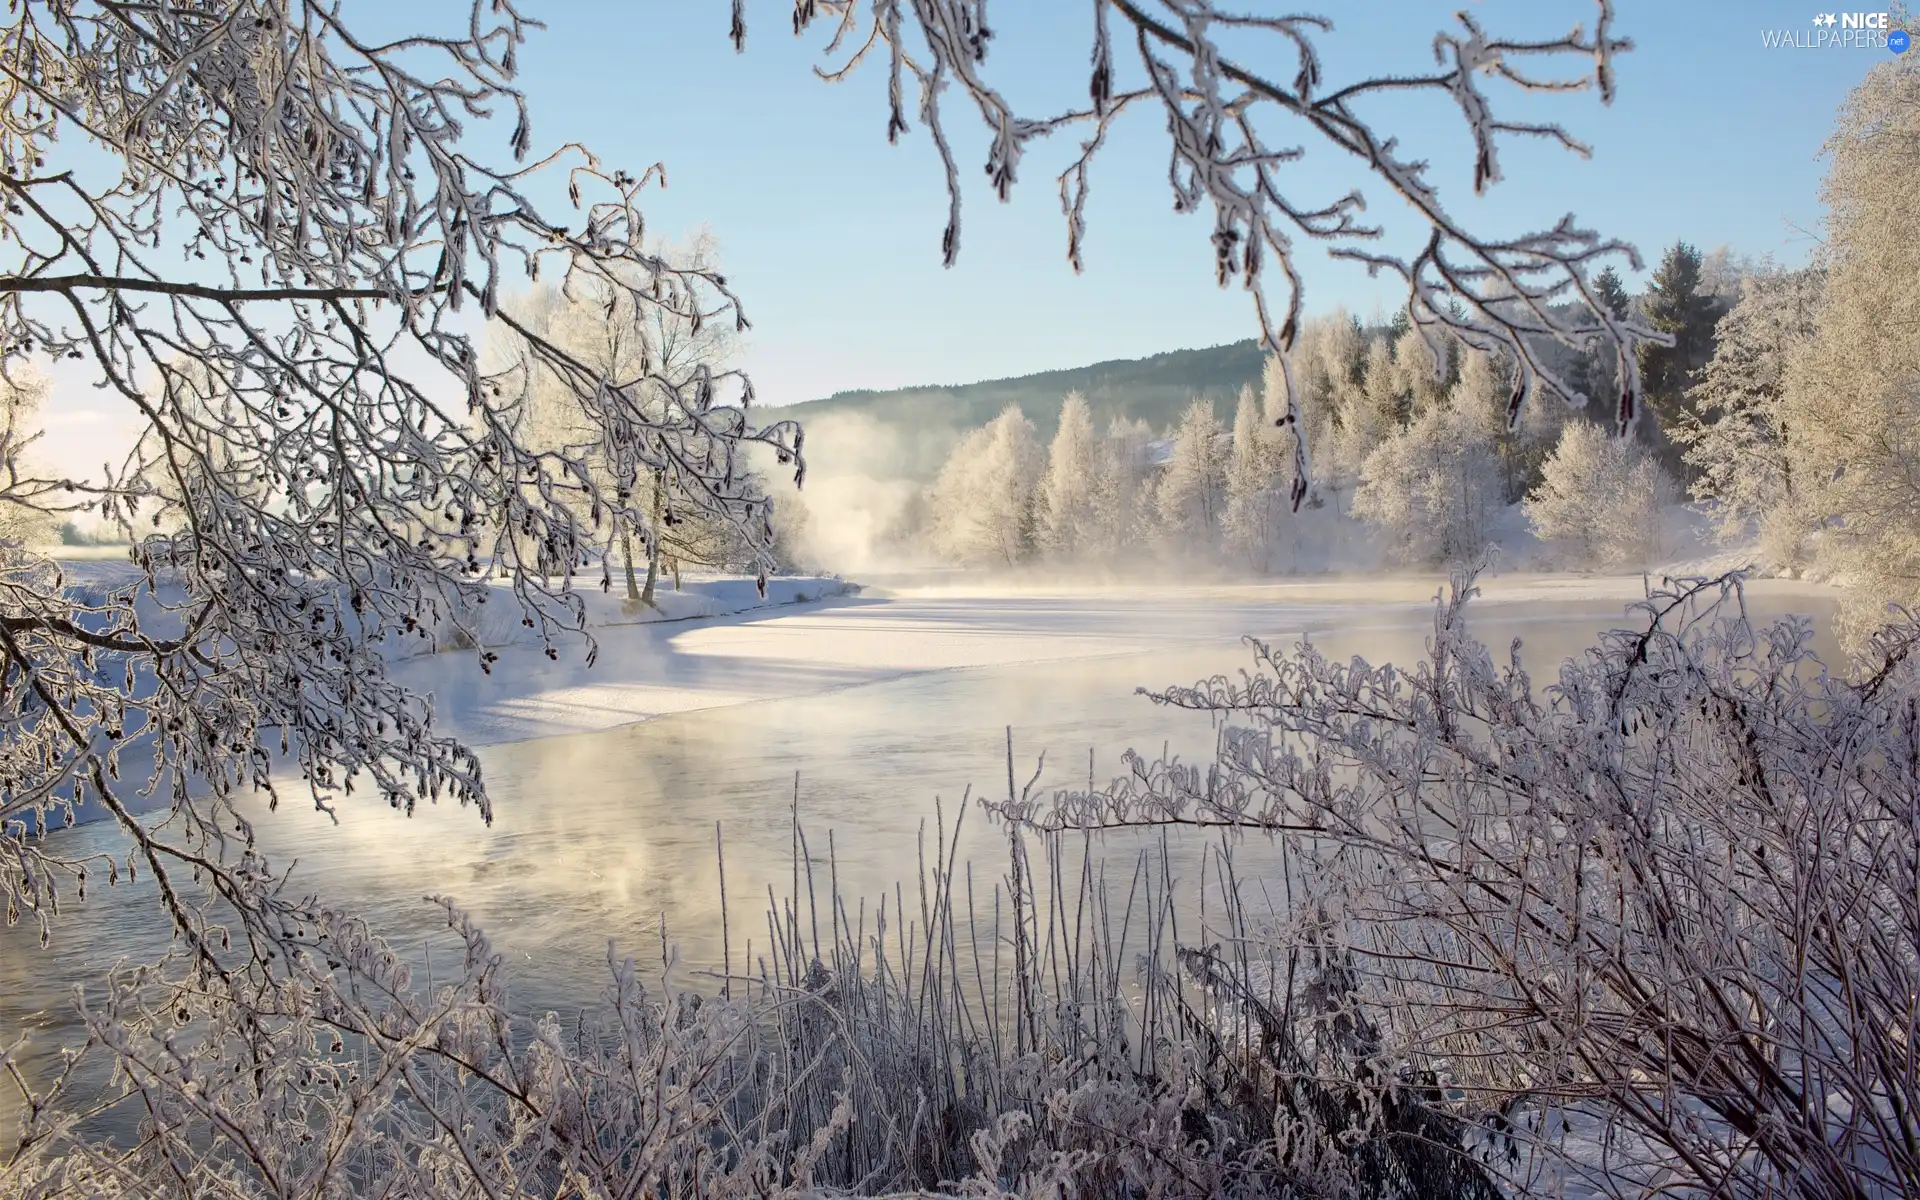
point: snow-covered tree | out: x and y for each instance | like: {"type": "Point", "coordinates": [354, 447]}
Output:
{"type": "Point", "coordinates": [1366, 412]}
{"type": "Point", "coordinates": [1259, 486]}
{"type": "Point", "coordinates": [1853, 390]}
{"type": "Point", "coordinates": [1327, 376]}
{"type": "Point", "coordinates": [1433, 487]}
{"type": "Point", "coordinates": [1329, 364]}
{"type": "Point", "coordinates": [1483, 389]}
{"type": "Point", "coordinates": [1738, 442]}
{"type": "Point", "coordinates": [337, 455]}
{"type": "Point", "coordinates": [791, 522]}
{"type": "Point", "coordinates": [1602, 498]}
{"type": "Point", "coordinates": [1191, 497]}
{"type": "Point", "coordinates": [27, 501]}
{"type": "Point", "coordinates": [1385, 404]}
{"type": "Point", "coordinates": [952, 530]}
{"type": "Point", "coordinates": [1420, 376]}
{"type": "Point", "coordinates": [599, 325]}
{"type": "Point", "coordinates": [1066, 521]}
{"type": "Point", "coordinates": [1480, 390]}
{"type": "Point", "coordinates": [1723, 274]}
{"type": "Point", "coordinates": [1123, 500]}
{"type": "Point", "coordinates": [275, 237]}
{"type": "Point", "coordinates": [982, 504]}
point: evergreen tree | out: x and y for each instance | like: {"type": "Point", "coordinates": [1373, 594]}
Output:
{"type": "Point", "coordinates": [1613, 293]}
{"type": "Point", "coordinates": [1593, 373]}
{"type": "Point", "coordinates": [1738, 443]}
{"type": "Point", "coordinates": [1593, 370]}
{"type": "Point", "coordinates": [1677, 305]}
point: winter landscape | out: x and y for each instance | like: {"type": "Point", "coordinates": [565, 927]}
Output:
{"type": "Point", "coordinates": [1389, 675]}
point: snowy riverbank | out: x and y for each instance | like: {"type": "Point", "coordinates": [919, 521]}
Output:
{"type": "Point", "coordinates": [638, 670]}
{"type": "Point", "coordinates": [634, 675]}
{"type": "Point", "coordinates": [890, 628]}
{"type": "Point", "coordinates": [716, 642]}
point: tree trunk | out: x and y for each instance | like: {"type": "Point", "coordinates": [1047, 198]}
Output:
{"type": "Point", "coordinates": [653, 546]}
{"type": "Point", "coordinates": [507, 536]}
{"type": "Point", "coordinates": [626, 555]}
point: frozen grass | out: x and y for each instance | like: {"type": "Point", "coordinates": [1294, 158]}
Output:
{"type": "Point", "coordinates": [1040, 1035]}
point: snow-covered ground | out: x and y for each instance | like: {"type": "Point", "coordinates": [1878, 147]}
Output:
{"type": "Point", "coordinates": [933, 622]}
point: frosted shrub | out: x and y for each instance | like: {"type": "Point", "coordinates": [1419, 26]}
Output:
{"type": "Point", "coordinates": [1602, 498]}
{"type": "Point", "coordinates": [1650, 923]}
{"type": "Point", "coordinates": [1656, 918]}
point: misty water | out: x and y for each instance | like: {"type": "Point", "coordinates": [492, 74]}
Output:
{"type": "Point", "coordinates": [601, 837]}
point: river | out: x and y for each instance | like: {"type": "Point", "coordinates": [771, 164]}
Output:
{"type": "Point", "coordinates": [876, 706]}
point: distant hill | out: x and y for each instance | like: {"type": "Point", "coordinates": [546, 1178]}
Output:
{"type": "Point", "coordinates": [1151, 389]}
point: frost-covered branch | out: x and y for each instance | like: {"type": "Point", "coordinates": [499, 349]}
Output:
{"type": "Point", "coordinates": [271, 239]}
{"type": "Point", "coordinates": [1230, 87]}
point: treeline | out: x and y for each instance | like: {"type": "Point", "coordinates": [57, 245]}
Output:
{"type": "Point", "coordinates": [1411, 450]}
{"type": "Point", "coordinates": [1785, 409]}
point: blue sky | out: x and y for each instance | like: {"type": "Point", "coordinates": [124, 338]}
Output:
{"type": "Point", "coordinates": [833, 236]}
